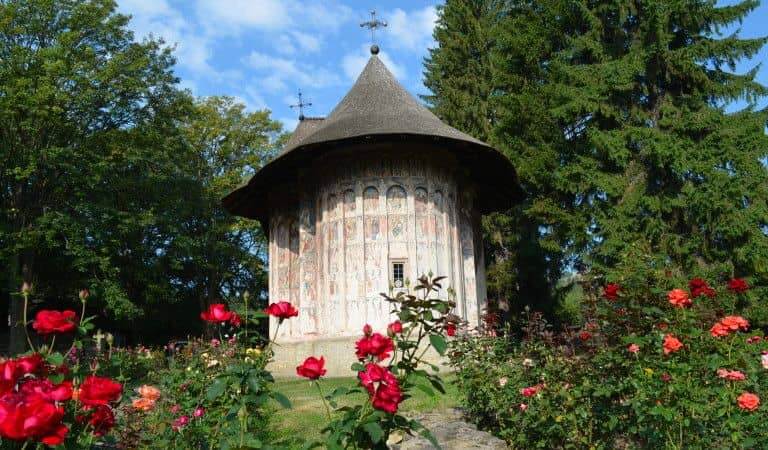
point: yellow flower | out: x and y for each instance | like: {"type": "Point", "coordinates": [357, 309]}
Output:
{"type": "Point", "coordinates": [253, 351]}
{"type": "Point", "coordinates": [559, 419]}
{"type": "Point", "coordinates": [648, 371]}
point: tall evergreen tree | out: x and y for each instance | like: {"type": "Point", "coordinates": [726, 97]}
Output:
{"type": "Point", "coordinates": [463, 74]}
{"type": "Point", "coordinates": [614, 115]}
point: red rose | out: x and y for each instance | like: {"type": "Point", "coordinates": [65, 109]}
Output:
{"type": "Point", "coordinates": [671, 344]}
{"type": "Point", "coordinates": [100, 418]}
{"type": "Point", "coordinates": [47, 390]}
{"type": "Point", "coordinates": [312, 368]}
{"type": "Point", "coordinates": [95, 391]}
{"type": "Point", "coordinates": [748, 401]}
{"type": "Point", "coordinates": [282, 310]}
{"type": "Point", "coordinates": [530, 391]}
{"type": "Point", "coordinates": [611, 291]}
{"type": "Point", "coordinates": [48, 321]}
{"type": "Point", "coordinates": [383, 387]}
{"type": "Point", "coordinates": [367, 330]}
{"type": "Point", "coordinates": [679, 298]}
{"type": "Point", "coordinates": [735, 323]}
{"type": "Point", "coordinates": [13, 369]}
{"type": "Point", "coordinates": [30, 364]}
{"type": "Point", "coordinates": [585, 336]}
{"type": "Point", "coordinates": [719, 330]}
{"type": "Point", "coordinates": [235, 320]}
{"type": "Point", "coordinates": [738, 285]}
{"type": "Point", "coordinates": [700, 287]}
{"type": "Point", "coordinates": [732, 375]}
{"type": "Point", "coordinates": [450, 329]}
{"type": "Point", "coordinates": [217, 313]}
{"type": "Point", "coordinates": [31, 417]}
{"type": "Point", "coordinates": [394, 328]}
{"type": "Point", "coordinates": [375, 345]}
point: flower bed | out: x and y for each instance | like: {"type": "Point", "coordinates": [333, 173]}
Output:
{"type": "Point", "coordinates": [214, 392]}
{"type": "Point", "coordinates": [654, 365]}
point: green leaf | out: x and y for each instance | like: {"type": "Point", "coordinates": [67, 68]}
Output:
{"type": "Point", "coordinates": [55, 359]}
{"type": "Point", "coordinates": [339, 391]}
{"type": "Point", "coordinates": [282, 399]}
{"type": "Point", "coordinates": [438, 341]}
{"type": "Point", "coordinates": [217, 388]}
{"type": "Point", "coordinates": [426, 389]}
{"type": "Point", "coordinates": [374, 431]}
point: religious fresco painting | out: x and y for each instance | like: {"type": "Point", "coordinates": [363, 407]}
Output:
{"type": "Point", "coordinates": [379, 184]}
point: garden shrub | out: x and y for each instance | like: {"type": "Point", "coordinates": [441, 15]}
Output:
{"type": "Point", "coordinates": [660, 361]}
{"type": "Point", "coordinates": [212, 393]}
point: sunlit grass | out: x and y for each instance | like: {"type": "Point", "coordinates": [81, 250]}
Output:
{"type": "Point", "coordinates": [307, 416]}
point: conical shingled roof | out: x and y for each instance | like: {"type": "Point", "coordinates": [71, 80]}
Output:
{"type": "Point", "coordinates": [378, 104]}
{"type": "Point", "coordinates": [378, 108]}
{"type": "Point", "coordinates": [306, 126]}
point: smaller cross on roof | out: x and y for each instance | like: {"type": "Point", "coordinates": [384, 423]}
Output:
{"type": "Point", "coordinates": [372, 25]}
{"type": "Point", "coordinates": [301, 106]}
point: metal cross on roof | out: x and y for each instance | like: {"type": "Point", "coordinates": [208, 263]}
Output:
{"type": "Point", "coordinates": [301, 106]}
{"type": "Point", "coordinates": [372, 25]}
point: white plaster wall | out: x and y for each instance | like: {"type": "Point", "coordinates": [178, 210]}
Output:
{"type": "Point", "coordinates": [330, 254]}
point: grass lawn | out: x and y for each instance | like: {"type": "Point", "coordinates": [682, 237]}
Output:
{"type": "Point", "coordinates": [308, 416]}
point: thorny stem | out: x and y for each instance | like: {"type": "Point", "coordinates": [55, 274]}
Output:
{"type": "Point", "coordinates": [82, 315]}
{"type": "Point", "coordinates": [26, 332]}
{"type": "Point", "coordinates": [245, 297]}
{"type": "Point", "coordinates": [325, 402]}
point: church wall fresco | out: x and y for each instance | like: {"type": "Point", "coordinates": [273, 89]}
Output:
{"type": "Point", "coordinates": [331, 255]}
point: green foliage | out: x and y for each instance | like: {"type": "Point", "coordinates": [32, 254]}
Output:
{"type": "Point", "coordinates": [593, 391]}
{"type": "Point", "coordinates": [424, 319]}
{"type": "Point", "coordinates": [110, 175]}
{"type": "Point", "coordinates": [614, 116]}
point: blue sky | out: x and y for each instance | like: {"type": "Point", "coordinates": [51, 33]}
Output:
{"type": "Point", "coordinates": [263, 51]}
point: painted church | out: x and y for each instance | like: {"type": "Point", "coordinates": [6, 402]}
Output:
{"type": "Point", "coordinates": [365, 201]}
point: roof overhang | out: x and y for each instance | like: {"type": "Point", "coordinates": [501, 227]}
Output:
{"type": "Point", "coordinates": [490, 172]}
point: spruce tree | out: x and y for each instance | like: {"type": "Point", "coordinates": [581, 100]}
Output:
{"type": "Point", "coordinates": [615, 116]}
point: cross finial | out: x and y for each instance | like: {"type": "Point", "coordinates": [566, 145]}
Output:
{"type": "Point", "coordinates": [372, 25]}
{"type": "Point", "coordinates": [301, 106]}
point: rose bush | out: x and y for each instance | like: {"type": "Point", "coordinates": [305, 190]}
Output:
{"type": "Point", "coordinates": [390, 366]}
{"type": "Point", "coordinates": [210, 393]}
{"type": "Point", "coordinates": [47, 400]}
{"type": "Point", "coordinates": [669, 362]}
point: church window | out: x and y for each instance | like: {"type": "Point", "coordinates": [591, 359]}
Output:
{"type": "Point", "coordinates": [398, 274]}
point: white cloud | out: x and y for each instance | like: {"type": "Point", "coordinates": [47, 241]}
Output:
{"type": "Point", "coordinates": [307, 42]}
{"type": "Point", "coordinates": [253, 99]}
{"type": "Point", "coordinates": [158, 19]}
{"type": "Point", "coordinates": [273, 83]}
{"type": "Point", "coordinates": [284, 45]}
{"type": "Point", "coordinates": [411, 30]}
{"type": "Point", "coordinates": [282, 72]}
{"type": "Point", "coordinates": [354, 63]}
{"type": "Point", "coordinates": [290, 43]}
{"type": "Point", "coordinates": [230, 17]}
